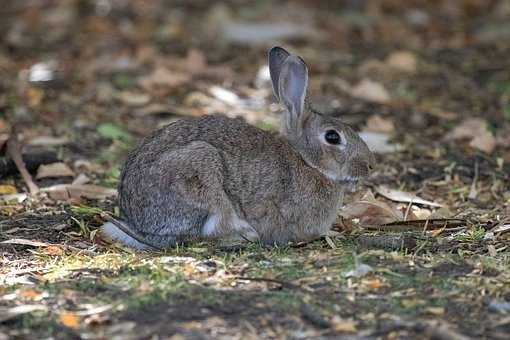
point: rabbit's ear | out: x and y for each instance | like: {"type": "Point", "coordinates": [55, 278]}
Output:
{"type": "Point", "coordinates": [276, 56]}
{"type": "Point", "coordinates": [292, 87]}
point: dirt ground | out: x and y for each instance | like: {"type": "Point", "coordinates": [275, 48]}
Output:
{"type": "Point", "coordinates": [422, 250]}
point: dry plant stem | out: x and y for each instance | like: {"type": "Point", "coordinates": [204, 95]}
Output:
{"type": "Point", "coordinates": [283, 284]}
{"type": "Point", "coordinates": [14, 151]}
{"type": "Point", "coordinates": [473, 192]}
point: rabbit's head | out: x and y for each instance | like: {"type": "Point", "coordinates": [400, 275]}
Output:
{"type": "Point", "coordinates": [324, 142]}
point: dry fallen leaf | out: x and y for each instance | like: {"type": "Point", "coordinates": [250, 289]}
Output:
{"type": "Point", "coordinates": [435, 310]}
{"type": "Point", "coordinates": [162, 76]}
{"type": "Point", "coordinates": [131, 98]}
{"type": "Point", "coordinates": [373, 284]}
{"type": "Point", "coordinates": [48, 141]}
{"type": "Point", "coordinates": [76, 191]}
{"type": "Point", "coordinates": [402, 196]}
{"type": "Point", "coordinates": [25, 242]}
{"type": "Point", "coordinates": [379, 142]}
{"type": "Point", "coordinates": [343, 325]}
{"type": "Point", "coordinates": [477, 131]}
{"type": "Point", "coordinates": [403, 61]}
{"type": "Point", "coordinates": [7, 189]}
{"type": "Point", "coordinates": [30, 294]}
{"type": "Point", "coordinates": [371, 91]}
{"type": "Point", "coordinates": [70, 320]}
{"type": "Point", "coordinates": [484, 142]}
{"type": "Point", "coordinates": [53, 250]}
{"type": "Point", "coordinates": [371, 212]}
{"type": "Point", "coordinates": [376, 123]}
{"type": "Point", "coordinates": [54, 170]}
{"type": "Point", "coordinates": [81, 179]}
{"type": "Point", "coordinates": [10, 313]}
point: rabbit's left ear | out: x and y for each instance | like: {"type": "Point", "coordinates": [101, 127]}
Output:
{"type": "Point", "coordinates": [276, 58]}
{"type": "Point", "coordinates": [292, 87]}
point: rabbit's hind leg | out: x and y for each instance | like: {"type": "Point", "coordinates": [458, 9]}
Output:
{"type": "Point", "coordinates": [198, 179]}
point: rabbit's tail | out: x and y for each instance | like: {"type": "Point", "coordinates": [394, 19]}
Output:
{"type": "Point", "coordinates": [119, 231]}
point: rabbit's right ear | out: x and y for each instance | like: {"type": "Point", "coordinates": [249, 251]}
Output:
{"type": "Point", "coordinates": [276, 56]}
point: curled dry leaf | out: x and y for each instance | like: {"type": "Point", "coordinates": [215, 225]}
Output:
{"type": "Point", "coordinates": [402, 196]}
{"type": "Point", "coordinates": [54, 170]}
{"type": "Point", "coordinates": [371, 212]}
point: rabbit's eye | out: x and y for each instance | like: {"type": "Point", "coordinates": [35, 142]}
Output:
{"type": "Point", "coordinates": [332, 137]}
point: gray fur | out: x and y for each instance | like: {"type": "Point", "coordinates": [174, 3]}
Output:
{"type": "Point", "coordinates": [280, 187]}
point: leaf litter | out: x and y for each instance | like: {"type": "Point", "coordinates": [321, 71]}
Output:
{"type": "Point", "coordinates": [433, 110]}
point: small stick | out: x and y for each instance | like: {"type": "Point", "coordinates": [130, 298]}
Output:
{"type": "Point", "coordinates": [14, 151]}
{"type": "Point", "coordinates": [473, 192]}
{"type": "Point", "coordinates": [407, 210]}
{"type": "Point", "coordinates": [283, 284]}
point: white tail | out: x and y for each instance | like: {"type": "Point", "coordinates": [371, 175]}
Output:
{"type": "Point", "coordinates": [112, 233]}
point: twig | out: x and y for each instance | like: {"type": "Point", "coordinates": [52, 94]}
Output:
{"type": "Point", "coordinates": [283, 284]}
{"type": "Point", "coordinates": [14, 151]}
{"type": "Point", "coordinates": [472, 191]}
{"type": "Point", "coordinates": [408, 210]}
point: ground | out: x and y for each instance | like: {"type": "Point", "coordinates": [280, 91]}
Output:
{"type": "Point", "coordinates": [84, 80]}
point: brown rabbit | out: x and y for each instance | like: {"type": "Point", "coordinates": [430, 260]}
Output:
{"type": "Point", "coordinates": [214, 177]}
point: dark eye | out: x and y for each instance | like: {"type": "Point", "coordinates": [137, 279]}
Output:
{"type": "Point", "coordinates": [332, 137]}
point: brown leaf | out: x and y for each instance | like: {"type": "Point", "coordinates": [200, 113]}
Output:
{"type": "Point", "coordinates": [54, 170]}
{"type": "Point", "coordinates": [403, 61]}
{"type": "Point", "coordinates": [70, 320]}
{"type": "Point", "coordinates": [7, 189]}
{"type": "Point", "coordinates": [340, 325]}
{"type": "Point", "coordinates": [131, 98]}
{"type": "Point", "coordinates": [484, 142]}
{"type": "Point", "coordinates": [162, 76]}
{"type": "Point", "coordinates": [376, 123]}
{"type": "Point", "coordinates": [30, 294]}
{"type": "Point", "coordinates": [371, 212]}
{"type": "Point", "coordinates": [371, 91]}
{"type": "Point", "coordinates": [477, 131]}
{"type": "Point", "coordinates": [53, 250]}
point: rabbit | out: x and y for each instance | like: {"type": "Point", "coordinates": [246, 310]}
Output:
{"type": "Point", "coordinates": [215, 177]}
